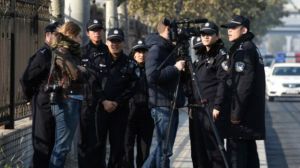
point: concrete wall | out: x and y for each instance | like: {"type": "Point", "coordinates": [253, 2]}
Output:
{"type": "Point", "coordinates": [16, 145]}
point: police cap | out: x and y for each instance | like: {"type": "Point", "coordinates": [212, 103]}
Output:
{"type": "Point", "coordinates": [140, 45]}
{"type": "Point", "coordinates": [94, 24]}
{"type": "Point", "coordinates": [209, 28]}
{"type": "Point", "coordinates": [51, 27]}
{"type": "Point", "coordinates": [236, 21]}
{"type": "Point", "coordinates": [115, 34]}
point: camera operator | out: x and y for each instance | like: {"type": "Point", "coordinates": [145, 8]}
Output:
{"type": "Point", "coordinates": [94, 55]}
{"type": "Point", "coordinates": [118, 84]}
{"type": "Point", "coordinates": [210, 69]}
{"type": "Point", "coordinates": [33, 81]}
{"type": "Point", "coordinates": [162, 82]}
{"type": "Point", "coordinates": [247, 79]}
{"type": "Point", "coordinates": [140, 124]}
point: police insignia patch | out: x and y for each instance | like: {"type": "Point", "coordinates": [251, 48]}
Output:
{"type": "Point", "coordinates": [239, 66]}
{"type": "Point", "coordinates": [224, 65]}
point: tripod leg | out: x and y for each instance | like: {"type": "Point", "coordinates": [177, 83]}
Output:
{"type": "Point", "coordinates": [168, 131]}
{"type": "Point", "coordinates": [216, 134]}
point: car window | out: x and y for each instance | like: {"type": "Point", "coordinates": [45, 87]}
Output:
{"type": "Point", "coordinates": [286, 71]}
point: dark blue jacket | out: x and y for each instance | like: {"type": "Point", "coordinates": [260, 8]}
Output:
{"type": "Point", "coordinates": [162, 77]}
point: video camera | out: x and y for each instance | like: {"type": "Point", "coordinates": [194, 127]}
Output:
{"type": "Point", "coordinates": [182, 31]}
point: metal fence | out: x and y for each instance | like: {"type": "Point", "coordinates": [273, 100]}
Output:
{"type": "Point", "coordinates": [21, 33]}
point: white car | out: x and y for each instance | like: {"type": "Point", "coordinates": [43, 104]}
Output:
{"type": "Point", "coordinates": [283, 80]}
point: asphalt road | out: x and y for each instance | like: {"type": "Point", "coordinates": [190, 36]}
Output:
{"type": "Point", "coordinates": [283, 133]}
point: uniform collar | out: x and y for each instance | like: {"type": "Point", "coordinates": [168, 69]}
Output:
{"type": "Point", "coordinates": [246, 37]}
{"type": "Point", "coordinates": [100, 45]}
{"type": "Point", "coordinates": [214, 50]}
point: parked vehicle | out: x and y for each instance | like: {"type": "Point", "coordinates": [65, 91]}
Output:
{"type": "Point", "coordinates": [283, 80]}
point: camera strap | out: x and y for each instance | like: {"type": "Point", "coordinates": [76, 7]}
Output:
{"type": "Point", "coordinates": [53, 58]}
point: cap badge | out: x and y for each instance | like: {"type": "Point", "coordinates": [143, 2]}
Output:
{"type": "Point", "coordinates": [206, 24]}
{"type": "Point", "coordinates": [140, 42]}
{"type": "Point", "coordinates": [116, 32]}
{"type": "Point", "coordinates": [95, 21]}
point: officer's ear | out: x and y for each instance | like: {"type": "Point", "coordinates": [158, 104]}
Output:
{"type": "Point", "coordinates": [244, 30]}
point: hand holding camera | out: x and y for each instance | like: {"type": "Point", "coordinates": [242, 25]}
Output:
{"type": "Point", "coordinates": [180, 65]}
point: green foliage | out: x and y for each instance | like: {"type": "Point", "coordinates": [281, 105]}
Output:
{"type": "Point", "coordinates": [262, 13]}
{"type": "Point", "coordinates": [15, 161]}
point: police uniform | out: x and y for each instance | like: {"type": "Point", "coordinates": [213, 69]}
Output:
{"type": "Point", "coordinates": [211, 71]}
{"type": "Point", "coordinates": [33, 82]}
{"type": "Point", "coordinates": [94, 58]}
{"type": "Point", "coordinates": [247, 80]}
{"type": "Point", "coordinates": [118, 84]}
{"type": "Point", "coordinates": [140, 123]}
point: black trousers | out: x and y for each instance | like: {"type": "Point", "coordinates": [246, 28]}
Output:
{"type": "Point", "coordinates": [242, 153]}
{"type": "Point", "coordinates": [198, 150]}
{"type": "Point", "coordinates": [95, 127]}
{"type": "Point", "coordinates": [139, 131]}
{"type": "Point", "coordinates": [112, 126]}
{"type": "Point", "coordinates": [88, 143]}
{"type": "Point", "coordinates": [212, 157]}
{"type": "Point", "coordinates": [43, 131]}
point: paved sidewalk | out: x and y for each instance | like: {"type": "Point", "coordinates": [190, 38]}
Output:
{"type": "Point", "coordinates": [182, 152]}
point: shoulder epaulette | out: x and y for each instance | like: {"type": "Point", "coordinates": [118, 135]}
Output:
{"type": "Point", "coordinates": [222, 51]}
{"type": "Point", "coordinates": [241, 46]}
{"type": "Point", "coordinates": [42, 50]}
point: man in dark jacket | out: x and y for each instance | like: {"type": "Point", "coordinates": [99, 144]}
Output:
{"type": "Point", "coordinates": [247, 79]}
{"type": "Point", "coordinates": [33, 83]}
{"type": "Point", "coordinates": [140, 123]}
{"type": "Point", "coordinates": [163, 74]}
{"type": "Point", "coordinates": [211, 71]}
{"type": "Point", "coordinates": [118, 83]}
{"type": "Point", "coordinates": [94, 55]}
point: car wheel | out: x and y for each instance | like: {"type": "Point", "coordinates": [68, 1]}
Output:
{"type": "Point", "coordinates": [270, 98]}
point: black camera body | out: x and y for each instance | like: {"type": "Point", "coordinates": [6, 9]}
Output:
{"type": "Point", "coordinates": [181, 31]}
{"type": "Point", "coordinates": [55, 92]}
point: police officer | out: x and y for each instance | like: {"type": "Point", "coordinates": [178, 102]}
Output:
{"type": "Point", "coordinates": [210, 69]}
{"type": "Point", "coordinates": [118, 87]}
{"type": "Point", "coordinates": [33, 82]}
{"type": "Point", "coordinates": [247, 79]}
{"type": "Point", "coordinates": [140, 124]}
{"type": "Point", "coordinates": [199, 158]}
{"type": "Point", "coordinates": [94, 57]}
